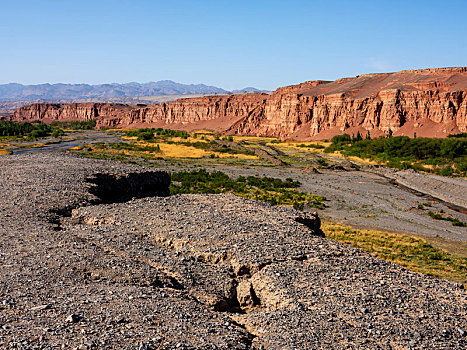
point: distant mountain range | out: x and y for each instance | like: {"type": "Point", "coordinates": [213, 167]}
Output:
{"type": "Point", "coordinates": [15, 92]}
{"type": "Point", "coordinates": [247, 89]}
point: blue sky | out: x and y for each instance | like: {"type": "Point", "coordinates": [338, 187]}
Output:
{"type": "Point", "coordinates": [230, 44]}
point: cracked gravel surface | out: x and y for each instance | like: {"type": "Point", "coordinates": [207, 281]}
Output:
{"type": "Point", "coordinates": [193, 272]}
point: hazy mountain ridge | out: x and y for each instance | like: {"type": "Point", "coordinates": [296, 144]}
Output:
{"type": "Point", "coordinates": [248, 89]}
{"type": "Point", "coordinates": [15, 91]}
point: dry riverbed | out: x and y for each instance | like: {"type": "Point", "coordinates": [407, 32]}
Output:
{"type": "Point", "coordinates": [88, 264]}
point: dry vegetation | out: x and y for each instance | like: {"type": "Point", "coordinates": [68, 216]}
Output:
{"type": "Point", "coordinates": [153, 145]}
{"type": "Point", "coordinates": [414, 253]}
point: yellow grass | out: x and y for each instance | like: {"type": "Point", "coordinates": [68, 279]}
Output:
{"type": "Point", "coordinates": [412, 252]}
{"type": "Point", "coordinates": [297, 144]}
{"type": "Point", "coordinates": [130, 138]}
{"type": "Point", "coordinates": [168, 150]}
{"type": "Point", "coordinates": [183, 151]}
{"type": "Point", "coordinates": [362, 160]}
{"type": "Point", "coordinates": [237, 156]}
{"type": "Point", "coordinates": [252, 138]}
{"type": "Point", "coordinates": [4, 152]}
{"type": "Point", "coordinates": [36, 145]}
{"type": "Point", "coordinates": [356, 159]}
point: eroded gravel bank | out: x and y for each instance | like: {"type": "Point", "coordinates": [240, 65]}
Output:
{"type": "Point", "coordinates": [194, 272]}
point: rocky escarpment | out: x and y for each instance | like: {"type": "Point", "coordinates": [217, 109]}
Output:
{"type": "Point", "coordinates": [428, 102]}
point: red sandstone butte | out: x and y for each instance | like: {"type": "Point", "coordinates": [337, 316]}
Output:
{"type": "Point", "coordinates": [428, 102]}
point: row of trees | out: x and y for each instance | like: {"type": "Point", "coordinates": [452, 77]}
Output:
{"type": "Point", "coordinates": [30, 130]}
{"type": "Point", "coordinates": [449, 155]}
{"type": "Point", "coordinates": [149, 133]}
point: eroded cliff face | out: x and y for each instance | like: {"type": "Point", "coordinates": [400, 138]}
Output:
{"type": "Point", "coordinates": [430, 102]}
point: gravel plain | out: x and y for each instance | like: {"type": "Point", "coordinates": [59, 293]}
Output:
{"type": "Point", "coordinates": [86, 263]}
{"type": "Point", "coordinates": [372, 200]}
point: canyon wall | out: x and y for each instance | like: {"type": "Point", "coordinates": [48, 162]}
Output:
{"type": "Point", "coordinates": [426, 102]}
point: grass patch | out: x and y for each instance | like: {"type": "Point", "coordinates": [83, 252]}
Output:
{"type": "Point", "coordinates": [272, 190]}
{"type": "Point", "coordinates": [408, 251]}
{"type": "Point", "coordinates": [150, 133]}
{"type": "Point", "coordinates": [311, 145]}
{"type": "Point", "coordinates": [454, 221]}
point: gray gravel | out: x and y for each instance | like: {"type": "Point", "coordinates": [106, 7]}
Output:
{"type": "Point", "coordinates": [194, 272]}
{"type": "Point", "coordinates": [364, 199]}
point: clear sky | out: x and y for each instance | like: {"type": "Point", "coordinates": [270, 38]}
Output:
{"type": "Point", "coordinates": [230, 44]}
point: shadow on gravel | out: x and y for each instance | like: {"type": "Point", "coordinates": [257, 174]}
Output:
{"type": "Point", "coordinates": [116, 188]}
{"type": "Point", "coordinates": [313, 222]}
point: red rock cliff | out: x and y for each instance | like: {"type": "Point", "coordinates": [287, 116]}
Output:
{"type": "Point", "coordinates": [428, 102]}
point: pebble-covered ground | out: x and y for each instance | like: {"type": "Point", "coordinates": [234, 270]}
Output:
{"type": "Point", "coordinates": [193, 271]}
{"type": "Point", "coordinates": [366, 199]}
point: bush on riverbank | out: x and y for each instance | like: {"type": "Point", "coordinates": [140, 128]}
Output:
{"type": "Point", "coordinates": [442, 156]}
{"type": "Point", "coordinates": [30, 131]}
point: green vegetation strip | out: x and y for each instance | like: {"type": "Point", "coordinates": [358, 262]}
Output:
{"type": "Point", "coordinates": [454, 221]}
{"type": "Point", "coordinates": [128, 147]}
{"type": "Point", "coordinates": [28, 131]}
{"type": "Point", "coordinates": [445, 157]}
{"type": "Point", "coordinates": [311, 146]}
{"type": "Point", "coordinates": [411, 252]}
{"type": "Point", "coordinates": [266, 189]}
{"type": "Point", "coordinates": [150, 133]}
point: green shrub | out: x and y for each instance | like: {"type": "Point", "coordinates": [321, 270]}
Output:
{"type": "Point", "coordinates": [57, 133]}
{"type": "Point", "coordinates": [338, 139]}
{"type": "Point", "coordinates": [147, 135]}
{"type": "Point", "coordinates": [454, 221]}
{"type": "Point", "coordinates": [272, 190]}
{"type": "Point", "coordinates": [311, 146]}
{"type": "Point", "coordinates": [322, 162]}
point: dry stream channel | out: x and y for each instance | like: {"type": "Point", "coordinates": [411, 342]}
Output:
{"type": "Point", "coordinates": [369, 198]}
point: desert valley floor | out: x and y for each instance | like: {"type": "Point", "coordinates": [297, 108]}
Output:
{"type": "Point", "coordinates": [96, 254]}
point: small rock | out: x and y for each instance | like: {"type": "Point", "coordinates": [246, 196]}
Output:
{"type": "Point", "coordinates": [41, 307]}
{"type": "Point", "coordinates": [73, 318]}
{"type": "Point", "coordinates": [461, 331]}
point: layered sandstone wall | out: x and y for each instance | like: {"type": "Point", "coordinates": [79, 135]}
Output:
{"type": "Point", "coordinates": [432, 100]}
{"type": "Point", "coordinates": [390, 109]}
